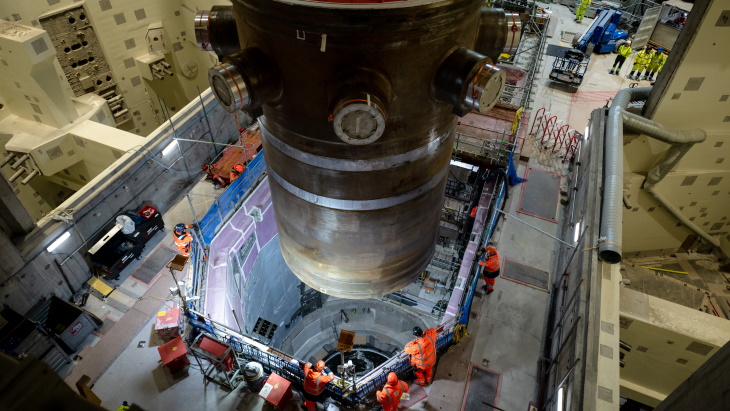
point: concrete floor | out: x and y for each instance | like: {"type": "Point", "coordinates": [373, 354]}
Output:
{"type": "Point", "coordinates": [506, 330]}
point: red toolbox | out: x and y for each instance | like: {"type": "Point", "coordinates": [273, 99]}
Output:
{"type": "Point", "coordinates": [174, 355]}
{"type": "Point", "coordinates": [168, 324]}
{"type": "Point", "coordinates": [277, 390]}
{"type": "Point", "coordinates": [147, 212]}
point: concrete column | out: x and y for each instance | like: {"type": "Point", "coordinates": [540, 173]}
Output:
{"type": "Point", "coordinates": [10, 260]}
{"type": "Point", "coordinates": [12, 211]}
{"type": "Point", "coordinates": [607, 394]}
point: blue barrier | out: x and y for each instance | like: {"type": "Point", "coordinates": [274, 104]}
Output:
{"type": "Point", "coordinates": [231, 197]}
{"type": "Point", "coordinates": [466, 307]}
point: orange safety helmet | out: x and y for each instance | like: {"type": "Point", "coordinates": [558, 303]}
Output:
{"type": "Point", "coordinates": [239, 168]}
{"type": "Point", "coordinates": [319, 366]}
{"type": "Point", "coordinates": [491, 250]}
{"type": "Point", "coordinates": [392, 378]}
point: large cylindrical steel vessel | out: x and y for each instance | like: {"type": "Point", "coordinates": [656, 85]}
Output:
{"type": "Point", "coordinates": [358, 101]}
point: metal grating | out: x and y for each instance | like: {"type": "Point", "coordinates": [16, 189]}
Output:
{"type": "Point", "coordinates": [525, 274]}
{"type": "Point", "coordinates": [482, 388]}
{"type": "Point", "coordinates": [625, 323]}
{"type": "Point", "coordinates": [153, 265]}
{"type": "Point", "coordinates": [714, 181]}
{"type": "Point", "coordinates": [682, 361]}
{"type": "Point", "coordinates": [641, 348]}
{"type": "Point", "coordinates": [540, 194]}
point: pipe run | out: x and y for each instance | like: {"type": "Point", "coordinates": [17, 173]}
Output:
{"type": "Point", "coordinates": [681, 141]}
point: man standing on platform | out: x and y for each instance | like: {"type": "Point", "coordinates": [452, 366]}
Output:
{"type": "Point", "coordinates": [423, 354]}
{"type": "Point", "coordinates": [623, 52]}
{"type": "Point", "coordinates": [183, 238]}
{"type": "Point", "coordinates": [315, 380]}
{"type": "Point", "coordinates": [392, 392]}
{"type": "Point", "coordinates": [581, 10]}
{"type": "Point", "coordinates": [489, 260]}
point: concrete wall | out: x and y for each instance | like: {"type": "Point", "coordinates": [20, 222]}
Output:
{"type": "Point", "coordinates": [580, 344]}
{"type": "Point", "coordinates": [669, 342]}
{"type": "Point", "coordinates": [692, 91]}
{"type": "Point", "coordinates": [706, 389]}
{"type": "Point", "coordinates": [121, 27]}
{"type": "Point", "coordinates": [220, 300]}
{"type": "Point", "coordinates": [139, 177]}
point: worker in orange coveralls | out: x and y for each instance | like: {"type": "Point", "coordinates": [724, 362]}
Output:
{"type": "Point", "coordinates": [183, 238]}
{"type": "Point", "coordinates": [423, 354]}
{"type": "Point", "coordinates": [489, 260]}
{"type": "Point", "coordinates": [315, 380]}
{"type": "Point", "coordinates": [236, 171]}
{"type": "Point", "coordinates": [389, 397]}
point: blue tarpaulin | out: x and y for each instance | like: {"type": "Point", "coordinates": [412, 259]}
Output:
{"type": "Point", "coordinates": [512, 177]}
{"type": "Point", "coordinates": [230, 199]}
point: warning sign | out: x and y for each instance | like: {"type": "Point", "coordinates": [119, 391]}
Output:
{"type": "Point", "coordinates": [76, 328]}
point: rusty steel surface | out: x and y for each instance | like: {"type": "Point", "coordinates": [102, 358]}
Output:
{"type": "Point", "coordinates": [357, 213]}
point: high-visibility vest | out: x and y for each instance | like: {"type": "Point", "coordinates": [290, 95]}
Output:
{"type": "Point", "coordinates": [490, 262]}
{"type": "Point", "coordinates": [423, 350]}
{"type": "Point", "coordinates": [391, 395]}
{"type": "Point", "coordinates": [624, 50]}
{"type": "Point", "coordinates": [314, 382]}
{"type": "Point", "coordinates": [657, 60]}
{"type": "Point", "coordinates": [182, 239]}
{"type": "Point", "coordinates": [642, 58]}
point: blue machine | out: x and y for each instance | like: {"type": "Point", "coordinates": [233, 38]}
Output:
{"type": "Point", "coordinates": [602, 35]}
